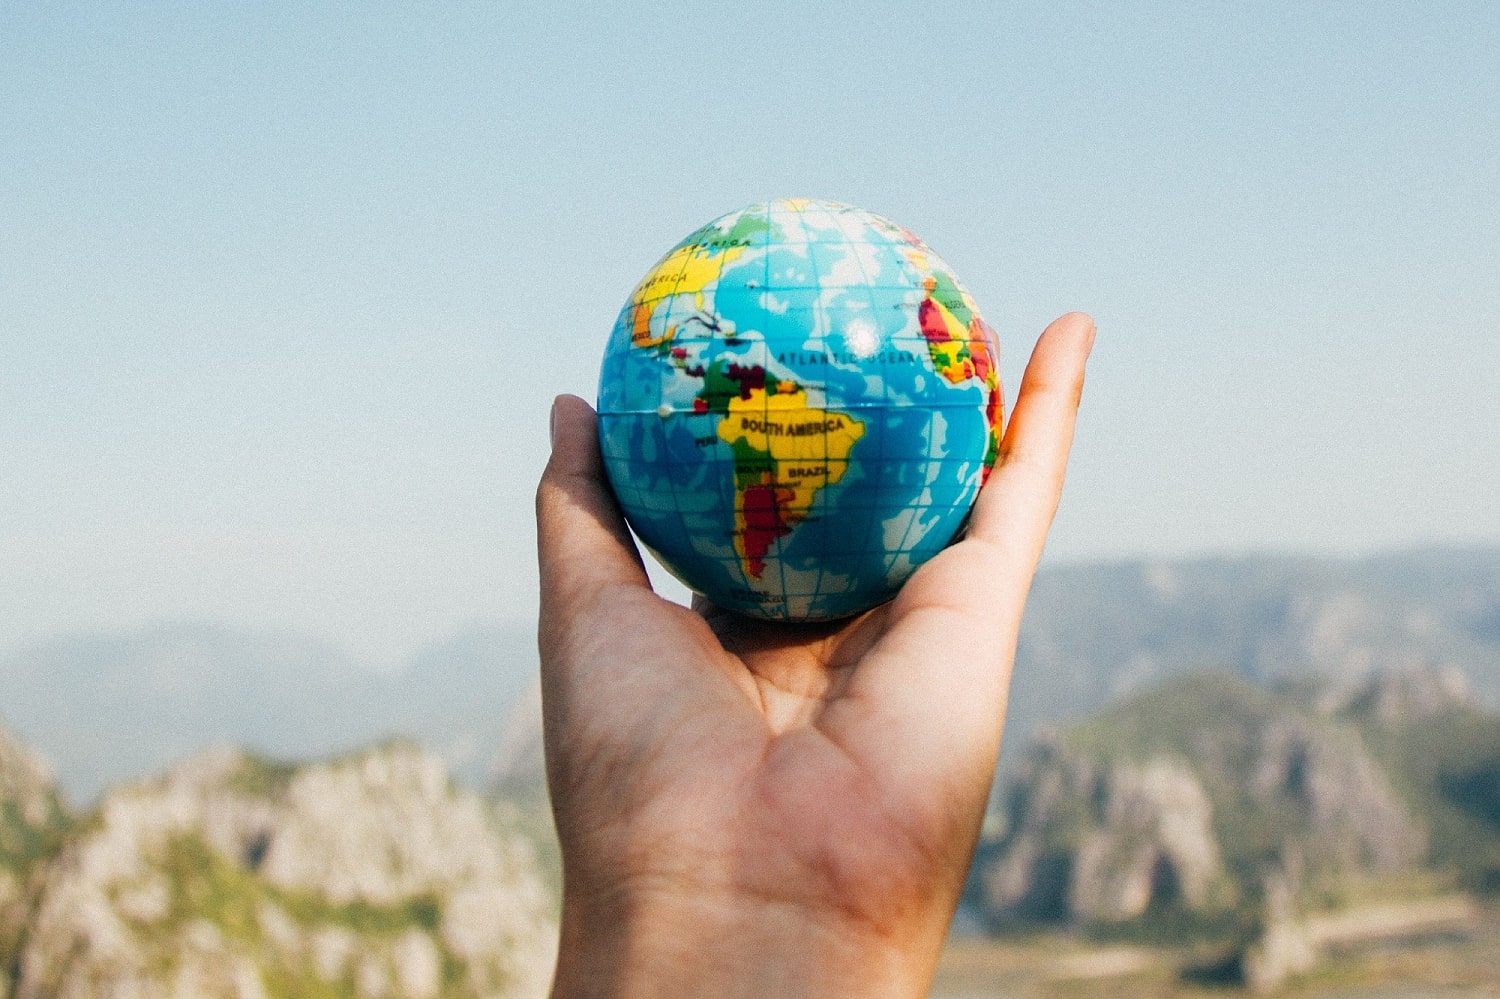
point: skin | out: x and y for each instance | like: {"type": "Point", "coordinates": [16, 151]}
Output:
{"type": "Point", "coordinates": [757, 809]}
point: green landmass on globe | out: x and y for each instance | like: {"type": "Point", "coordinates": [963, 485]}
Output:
{"type": "Point", "coordinates": [797, 408]}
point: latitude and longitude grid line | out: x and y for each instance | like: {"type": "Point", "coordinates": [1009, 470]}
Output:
{"type": "Point", "coordinates": [915, 510]}
{"type": "Point", "coordinates": [888, 559]}
{"type": "Point", "coordinates": [765, 397]}
{"type": "Point", "coordinates": [741, 563]}
{"type": "Point", "coordinates": [664, 436]}
{"type": "Point", "coordinates": [781, 560]}
{"type": "Point", "coordinates": [921, 348]}
{"type": "Point", "coordinates": [692, 548]}
{"type": "Point", "coordinates": [975, 478]}
{"type": "Point", "coordinates": [850, 246]}
{"type": "Point", "coordinates": [822, 502]}
{"type": "Point", "coordinates": [819, 316]}
{"type": "Point", "coordinates": [873, 426]}
{"type": "Point", "coordinates": [669, 301]}
{"type": "Point", "coordinates": [732, 565]}
{"type": "Point", "coordinates": [800, 211]}
{"type": "Point", "coordinates": [845, 243]}
{"type": "Point", "coordinates": [718, 336]}
{"type": "Point", "coordinates": [663, 466]}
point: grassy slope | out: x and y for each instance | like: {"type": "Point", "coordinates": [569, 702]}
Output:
{"type": "Point", "coordinates": [1210, 720]}
{"type": "Point", "coordinates": [1447, 767]}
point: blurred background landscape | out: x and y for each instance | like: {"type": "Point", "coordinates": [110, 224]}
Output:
{"type": "Point", "coordinates": [285, 295]}
{"type": "Point", "coordinates": [1233, 772]}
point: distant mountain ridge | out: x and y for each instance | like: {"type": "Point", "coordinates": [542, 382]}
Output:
{"type": "Point", "coordinates": [109, 707]}
{"type": "Point", "coordinates": [1094, 633]}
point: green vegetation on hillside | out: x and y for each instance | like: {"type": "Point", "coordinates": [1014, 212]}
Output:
{"type": "Point", "coordinates": [1333, 807]}
{"type": "Point", "coordinates": [1214, 720]}
{"type": "Point", "coordinates": [205, 886]}
{"type": "Point", "coordinates": [1448, 768]}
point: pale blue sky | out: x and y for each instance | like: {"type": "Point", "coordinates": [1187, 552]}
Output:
{"type": "Point", "coordinates": [285, 294]}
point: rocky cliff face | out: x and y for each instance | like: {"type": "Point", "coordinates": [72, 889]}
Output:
{"type": "Point", "coordinates": [369, 875]}
{"type": "Point", "coordinates": [30, 809]}
{"type": "Point", "coordinates": [1337, 805]}
{"type": "Point", "coordinates": [32, 818]}
{"type": "Point", "coordinates": [1096, 841]}
{"type": "Point", "coordinates": [1155, 840]}
{"type": "Point", "coordinates": [1182, 801]}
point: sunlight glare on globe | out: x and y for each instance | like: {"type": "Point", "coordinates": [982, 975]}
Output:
{"type": "Point", "coordinates": [797, 408]}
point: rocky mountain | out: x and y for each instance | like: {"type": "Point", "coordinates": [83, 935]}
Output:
{"type": "Point", "coordinates": [369, 874]}
{"type": "Point", "coordinates": [32, 821]}
{"type": "Point", "coordinates": [1183, 798]}
{"type": "Point", "coordinates": [31, 812]}
{"type": "Point", "coordinates": [1208, 807]}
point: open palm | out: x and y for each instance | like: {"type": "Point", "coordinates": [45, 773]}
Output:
{"type": "Point", "coordinates": [781, 786]}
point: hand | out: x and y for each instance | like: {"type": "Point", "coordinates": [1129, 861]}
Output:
{"type": "Point", "coordinates": [760, 809]}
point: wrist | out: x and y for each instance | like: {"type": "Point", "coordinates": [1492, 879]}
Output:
{"type": "Point", "coordinates": [624, 945]}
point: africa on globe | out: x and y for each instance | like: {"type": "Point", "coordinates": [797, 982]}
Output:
{"type": "Point", "coordinates": [797, 408]}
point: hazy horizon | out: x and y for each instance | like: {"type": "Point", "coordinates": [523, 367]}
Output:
{"type": "Point", "coordinates": [400, 662]}
{"type": "Point", "coordinates": [108, 706]}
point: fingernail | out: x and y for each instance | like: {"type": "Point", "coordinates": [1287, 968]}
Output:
{"type": "Point", "coordinates": [552, 426]}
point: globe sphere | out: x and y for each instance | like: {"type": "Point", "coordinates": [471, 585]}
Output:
{"type": "Point", "coordinates": [797, 407]}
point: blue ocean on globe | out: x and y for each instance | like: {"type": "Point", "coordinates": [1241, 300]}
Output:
{"type": "Point", "coordinates": [797, 408]}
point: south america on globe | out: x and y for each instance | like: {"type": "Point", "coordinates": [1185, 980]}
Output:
{"type": "Point", "coordinates": [797, 408]}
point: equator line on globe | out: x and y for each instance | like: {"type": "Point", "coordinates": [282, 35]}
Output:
{"type": "Point", "coordinates": [797, 408]}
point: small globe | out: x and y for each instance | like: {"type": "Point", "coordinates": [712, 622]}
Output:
{"type": "Point", "coordinates": [797, 408]}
